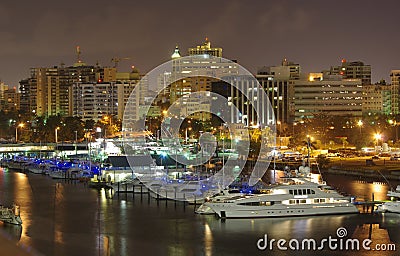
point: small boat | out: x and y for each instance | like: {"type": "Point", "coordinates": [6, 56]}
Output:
{"type": "Point", "coordinates": [37, 168]}
{"type": "Point", "coordinates": [10, 215]}
{"type": "Point", "coordinates": [57, 174]}
{"type": "Point", "coordinates": [395, 193]}
{"type": "Point", "coordinates": [391, 206]}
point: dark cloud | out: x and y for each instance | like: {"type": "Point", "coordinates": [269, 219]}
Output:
{"type": "Point", "coordinates": [316, 34]}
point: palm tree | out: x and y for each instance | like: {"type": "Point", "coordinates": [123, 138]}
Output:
{"type": "Point", "coordinates": [310, 145]}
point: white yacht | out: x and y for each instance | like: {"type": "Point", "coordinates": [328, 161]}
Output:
{"type": "Point", "coordinates": [391, 206]}
{"type": "Point", "coordinates": [296, 196]}
{"type": "Point", "coordinates": [224, 195]}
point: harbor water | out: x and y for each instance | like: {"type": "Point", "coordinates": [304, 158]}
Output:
{"type": "Point", "coordinates": [69, 218]}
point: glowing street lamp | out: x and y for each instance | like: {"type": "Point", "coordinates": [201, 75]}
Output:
{"type": "Point", "coordinates": [56, 133]}
{"type": "Point", "coordinates": [360, 124]}
{"type": "Point", "coordinates": [280, 127]}
{"type": "Point", "coordinates": [377, 137]}
{"type": "Point", "coordinates": [16, 131]}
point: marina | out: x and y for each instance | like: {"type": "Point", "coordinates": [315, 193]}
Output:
{"type": "Point", "coordinates": [62, 217]}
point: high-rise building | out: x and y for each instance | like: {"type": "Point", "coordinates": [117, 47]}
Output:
{"type": "Point", "coordinates": [93, 100]}
{"type": "Point", "coordinates": [339, 97]}
{"type": "Point", "coordinates": [205, 48]}
{"type": "Point", "coordinates": [277, 82]}
{"type": "Point", "coordinates": [191, 74]}
{"type": "Point", "coordinates": [252, 105]}
{"type": "Point", "coordinates": [9, 98]}
{"type": "Point", "coordinates": [352, 70]}
{"type": "Point", "coordinates": [3, 88]}
{"type": "Point", "coordinates": [376, 99]}
{"type": "Point", "coordinates": [395, 90]}
{"type": "Point", "coordinates": [48, 90]}
{"type": "Point", "coordinates": [279, 95]}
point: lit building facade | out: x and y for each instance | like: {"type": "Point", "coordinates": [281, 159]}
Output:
{"type": "Point", "coordinates": [9, 98]}
{"type": "Point", "coordinates": [91, 101]}
{"type": "Point", "coordinates": [248, 97]}
{"type": "Point", "coordinates": [94, 100]}
{"type": "Point", "coordinates": [395, 91]}
{"type": "Point", "coordinates": [331, 97]}
{"type": "Point", "coordinates": [352, 70]}
{"type": "Point", "coordinates": [376, 99]}
{"type": "Point", "coordinates": [191, 74]}
{"type": "Point", "coordinates": [206, 48]}
{"type": "Point", "coordinates": [48, 90]}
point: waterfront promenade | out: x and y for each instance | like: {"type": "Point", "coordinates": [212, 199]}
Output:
{"type": "Point", "coordinates": [382, 168]}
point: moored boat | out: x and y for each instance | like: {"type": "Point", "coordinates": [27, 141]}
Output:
{"type": "Point", "coordinates": [393, 205]}
{"type": "Point", "coordinates": [10, 215]}
{"type": "Point", "coordinates": [296, 196]}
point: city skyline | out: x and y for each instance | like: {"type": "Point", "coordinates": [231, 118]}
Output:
{"type": "Point", "coordinates": [312, 34]}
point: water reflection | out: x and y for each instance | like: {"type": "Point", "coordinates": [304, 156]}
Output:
{"type": "Point", "coordinates": [65, 218]}
{"type": "Point", "coordinates": [208, 240]}
{"type": "Point", "coordinates": [364, 189]}
{"type": "Point", "coordinates": [12, 232]}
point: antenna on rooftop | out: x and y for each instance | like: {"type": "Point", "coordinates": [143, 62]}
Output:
{"type": "Point", "coordinates": [78, 54]}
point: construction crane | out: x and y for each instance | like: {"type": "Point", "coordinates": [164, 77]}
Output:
{"type": "Point", "coordinates": [116, 60]}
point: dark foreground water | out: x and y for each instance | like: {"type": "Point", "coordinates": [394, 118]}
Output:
{"type": "Point", "coordinates": [64, 218]}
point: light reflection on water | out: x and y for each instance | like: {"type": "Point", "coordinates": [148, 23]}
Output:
{"type": "Point", "coordinates": [67, 218]}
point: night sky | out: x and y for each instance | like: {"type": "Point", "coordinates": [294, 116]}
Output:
{"type": "Point", "coordinates": [315, 34]}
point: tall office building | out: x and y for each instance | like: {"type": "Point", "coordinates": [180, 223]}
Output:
{"type": "Point", "coordinates": [279, 94]}
{"type": "Point", "coordinates": [205, 48]}
{"type": "Point", "coordinates": [336, 97]}
{"type": "Point", "coordinates": [352, 70]}
{"type": "Point", "coordinates": [251, 102]}
{"type": "Point", "coordinates": [194, 73]}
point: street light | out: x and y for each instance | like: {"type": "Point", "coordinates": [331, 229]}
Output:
{"type": "Point", "coordinates": [377, 137]}
{"type": "Point", "coordinates": [16, 131]}
{"type": "Point", "coordinates": [76, 143]}
{"type": "Point", "coordinates": [56, 133]}
{"type": "Point", "coordinates": [280, 127]}
{"type": "Point", "coordinates": [360, 124]}
{"type": "Point", "coordinates": [394, 124]}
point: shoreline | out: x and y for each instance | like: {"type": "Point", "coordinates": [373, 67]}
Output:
{"type": "Point", "coordinates": [365, 167]}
